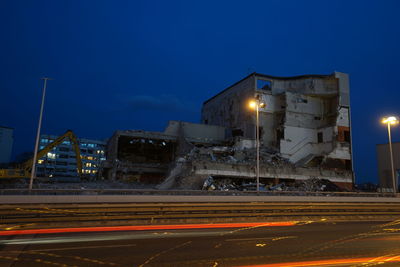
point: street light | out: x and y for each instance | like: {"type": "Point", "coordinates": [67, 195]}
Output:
{"type": "Point", "coordinates": [256, 104]}
{"type": "Point", "coordinates": [391, 120]}
{"type": "Point", "coordinates": [33, 172]}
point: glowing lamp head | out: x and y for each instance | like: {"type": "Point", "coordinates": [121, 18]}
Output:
{"type": "Point", "coordinates": [392, 120]}
{"type": "Point", "coordinates": [253, 104]}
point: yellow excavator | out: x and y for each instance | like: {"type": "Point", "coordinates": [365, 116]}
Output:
{"type": "Point", "coordinates": [25, 168]}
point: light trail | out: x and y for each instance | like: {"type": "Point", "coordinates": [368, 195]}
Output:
{"type": "Point", "coordinates": [145, 227]}
{"type": "Point", "coordinates": [332, 262]}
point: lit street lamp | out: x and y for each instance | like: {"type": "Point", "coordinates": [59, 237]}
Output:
{"type": "Point", "coordinates": [33, 172]}
{"type": "Point", "coordinates": [391, 120]}
{"type": "Point", "coordinates": [257, 104]}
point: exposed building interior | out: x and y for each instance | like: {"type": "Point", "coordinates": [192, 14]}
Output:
{"type": "Point", "coordinates": [306, 119]}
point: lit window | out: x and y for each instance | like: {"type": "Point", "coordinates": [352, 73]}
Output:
{"type": "Point", "coordinates": [40, 161]}
{"type": "Point", "coordinates": [41, 147]}
{"type": "Point", "coordinates": [90, 158]}
{"type": "Point", "coordinates": [102, 158]}
{"type": "Point", "coordinates": [88, 164]}
{"type": "Point", "coordinates": [51, 155]}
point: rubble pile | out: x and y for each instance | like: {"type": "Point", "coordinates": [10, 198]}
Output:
{"type": "Point", "coordinates": [223, 154]}
{"type": "Point", "coordinates": [310, 185]}
{"type": "Point", "coordinates": [315, 185]}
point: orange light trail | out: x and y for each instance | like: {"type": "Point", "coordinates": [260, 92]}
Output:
{"type": "Point", "coordinates": [329, 262]}
{"type": "Point", "coordinates": [144, 227]}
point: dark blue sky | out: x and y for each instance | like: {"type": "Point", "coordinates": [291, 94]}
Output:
{"type": "Point", "coordinates": [138, 64]}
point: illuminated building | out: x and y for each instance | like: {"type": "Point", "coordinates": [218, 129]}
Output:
{"type": "Point", "coordinates": [61, 160]}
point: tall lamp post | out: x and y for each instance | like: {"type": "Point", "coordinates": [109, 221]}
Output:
{"type": "Point", "coordinates": [256, 104]}
{"type": "Point", "coordinates": [33, 172]}
{"type": "Point", "coordinates": [391, 120]}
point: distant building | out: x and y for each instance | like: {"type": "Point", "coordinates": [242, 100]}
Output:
{"type": "Point", "coordinates": [385, 168]}
{"type": "Point", "coordinates": [61, 160]}
{"type": "Point", "coordinates": [6, 143]}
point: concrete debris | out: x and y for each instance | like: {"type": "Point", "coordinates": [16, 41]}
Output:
{"type": "Point", "coordinates": [234, 155]}
{"type": "Point", "coordinates": [174, 175]}
{"type": "Point", "coordinates": [310, 185]}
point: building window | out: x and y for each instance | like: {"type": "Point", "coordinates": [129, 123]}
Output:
{"type": "Point", "coordinates": [320, 137]}
{"type": "Point", "coordinates": [347, 136]}
{"type": "Point", "coordinates": [51, 155]}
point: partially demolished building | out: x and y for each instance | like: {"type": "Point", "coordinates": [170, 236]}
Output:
{"type": "Point", "coordinates": [304, 135]}
{"type": "Point", "coordinates": [148, 157]}
{"type": "Point", "coordinates": [306, 120]}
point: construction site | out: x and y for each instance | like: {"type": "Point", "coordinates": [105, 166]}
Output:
{"type": "Point", "coordinates": [304, 137]}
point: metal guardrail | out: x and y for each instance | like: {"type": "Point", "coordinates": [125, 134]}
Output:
{"type": "Point", "coordinates": [187, 192]}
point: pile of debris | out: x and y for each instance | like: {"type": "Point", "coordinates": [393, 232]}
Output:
{"type": "Point", "coordinates": [309, 185]}
{"type": "Point", "coordinates": [234, 155]}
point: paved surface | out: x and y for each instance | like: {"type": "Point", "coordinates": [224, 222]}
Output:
{"type": "Point", "coordinates": [318, 243]}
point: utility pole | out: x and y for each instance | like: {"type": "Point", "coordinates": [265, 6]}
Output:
{"type": "Point", "coordinates": [33, 172]}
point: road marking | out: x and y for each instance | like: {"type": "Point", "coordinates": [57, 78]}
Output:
{"type": "Point", "coordinates": [260, 238]}
{"type": "Point", "coordinates": [163, 252]}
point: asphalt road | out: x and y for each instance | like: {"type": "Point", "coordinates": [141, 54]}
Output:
{"type": "Point", "coordinates": [318, 243]}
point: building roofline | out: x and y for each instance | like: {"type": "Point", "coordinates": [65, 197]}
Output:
{"type": "Point", "coordinates": [298, 77]}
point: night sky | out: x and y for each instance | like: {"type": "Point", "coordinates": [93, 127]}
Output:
{"type": "Point", "coordinates": [137, 64]}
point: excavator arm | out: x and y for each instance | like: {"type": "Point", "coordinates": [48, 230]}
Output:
{"type": "Point", "coordinates": [26, 167]}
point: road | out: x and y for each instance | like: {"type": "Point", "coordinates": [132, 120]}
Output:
{"type": "Point", "coordinates": [308, 243]}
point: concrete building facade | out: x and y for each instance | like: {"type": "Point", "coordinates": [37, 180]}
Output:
{"type": "Point", "coordinates": [306, 118]}
{"type": "Point", "coordinates": [61, 160]}
{"type": "Point", "coordinates": [385, 168]}
{"type": "Point", "coordinates": [6, 144]}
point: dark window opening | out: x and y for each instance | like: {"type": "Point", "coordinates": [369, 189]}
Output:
{"type": "Point", "coordinates": [317, 118]}
{"type": "Point", "coordinates": [320, 137]}
{"type": "Point", "coordinates": [237, 132]}
{"type": "Point", "coordinates": [347, 136]}
{"type": "Point", "coordinates": [348, 164]}
{"type": "Point", "coordinates": [280, 134]}
{"type": "Point", "coordinates": [264, 85]}
{"type": "Point", "coordinates": [205, 121]}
